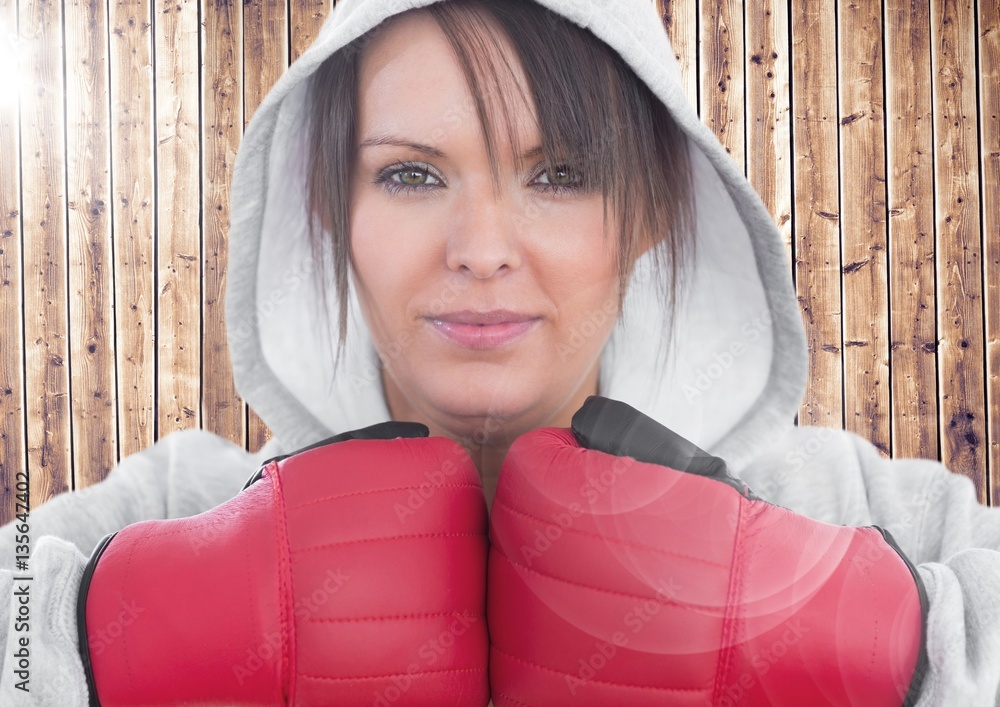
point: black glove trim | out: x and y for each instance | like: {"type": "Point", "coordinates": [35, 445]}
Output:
{"type": "Point", "coordinates": [380, 430]}
{"type": "Point", "coordinates": [81, 617]}
{"type": "Point", "coordinates": [916, 684]}
{"type": "Point", "coordinates": [614, 427]}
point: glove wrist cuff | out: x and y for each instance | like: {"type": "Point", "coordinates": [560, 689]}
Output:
{"type": "Point", "coordinates": [188, 609]}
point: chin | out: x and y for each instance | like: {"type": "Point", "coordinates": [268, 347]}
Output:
{"type": "Point", "coordinates": [486, 398]}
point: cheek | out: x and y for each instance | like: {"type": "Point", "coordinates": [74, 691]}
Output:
{"type": "Point", "coordinates": [385, 263]}
{"type": "Point", "coordinates": [580, 269]}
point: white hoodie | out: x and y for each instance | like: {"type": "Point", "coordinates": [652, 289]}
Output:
{"type": "Point", "coordinates": [733, 385]}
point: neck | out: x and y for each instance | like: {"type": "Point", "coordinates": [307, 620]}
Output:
{"type": "Point", "coordinates": [489, 456]}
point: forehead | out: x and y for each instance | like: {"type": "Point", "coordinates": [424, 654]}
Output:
{"type": "Point", "coordinates": [411, 82]}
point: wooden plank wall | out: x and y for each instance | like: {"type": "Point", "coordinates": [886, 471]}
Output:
{"type": "Point", "coordinates": [870, 129]}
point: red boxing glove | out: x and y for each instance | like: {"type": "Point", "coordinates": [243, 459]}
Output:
{"type": "Point", "coordinates": [629, 567]}
{"type": "Point", "coordinates": [351, 572]}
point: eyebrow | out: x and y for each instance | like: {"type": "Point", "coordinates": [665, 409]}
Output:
{"type": "Point", "coordinates": [428, 149]}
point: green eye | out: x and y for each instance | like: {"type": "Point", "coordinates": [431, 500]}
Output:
{"type": "Point", "coordinates": [412, 176]}
{"type": "Point", "coordinates": [560, 178]}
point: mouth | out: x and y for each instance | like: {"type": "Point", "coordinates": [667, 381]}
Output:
{"type": "Point", "coordinates": [483, 330]}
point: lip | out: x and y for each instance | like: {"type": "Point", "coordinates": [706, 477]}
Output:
{"type": "Point", "coordinates": [483, 330]}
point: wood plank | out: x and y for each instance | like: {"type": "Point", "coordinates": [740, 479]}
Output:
{"type": "Point", "coordinates": [680, 17]}
{"type": "Point", "coordinates": [722, 75]}
{"type": "Point", "coordinates": [769, 159]}
{"type": "Point", "coordinates": [961, 360]}
{"type": "Point", "coordinates": [265, 51]}
{"type": "Point", "coordinates": [43, 193]}
{"type": "Point", "coordinates": [816, 208]}
{"type": "Point", "coordinates": [307, 18]}
{"type": "Point", "coordinates": [222, 119]}
{"type": "Point", "coordinates": [91, 267]}
{"type": "Point", "coordinates": [133, 180]}
{"type": "Point", "coordinates": [863, 222]}
{"type": "Point", "coordinates": [909, 148]}
{"type": "Point", "coordinates": [989, 151]}
{"type": "Point", "coordinates": [178, 207]}
{"type": "Point", "coordinates": [13, 441]}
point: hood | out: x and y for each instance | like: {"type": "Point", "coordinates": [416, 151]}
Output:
{"type": "Point", "coordinates": [737, 369]}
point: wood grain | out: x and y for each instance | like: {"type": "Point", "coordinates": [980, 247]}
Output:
{"type": "Point", "coordinates": [863, 222]}
{"type": "Point", "coordinates": [119, 196]}
{"type": "Point", "coordinates": [307, 17]}
{"type": "Point", "coordinates": [958, 248]}
{"type": "Point", "coordinates": [989, 151]}
{"type": "Point", "coordinates": [178, 216]}
{"type": "Point", "coordinates": [909, 148]}
{"type": "Point", "coordinates": [132, 155]}
{"type": "Point", "coordinates": [817, 208]}
{"type": "Point", "coordinates": [721, 72]}
{"type": "Point", "coordinates": [43, 198]}
{"type": "Point", "coordinates": [91, 259]}
{"type": "Point", "coordinates": [265, 51]}
{"type": "Point", "coordinates": [223, 409]}
{"type": "Point", "coordinates": [13, 442]}
{"type": "Point", "coordinates": [680, 18]}
{"type": "Point", "coordinates": [769, 159]}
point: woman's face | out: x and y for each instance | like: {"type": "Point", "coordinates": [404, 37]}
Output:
{"type": "Point", "coordinates": [430, 239]}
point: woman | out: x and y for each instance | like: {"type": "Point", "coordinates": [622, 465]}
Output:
{"type": "Point", "coordinates": [493, 289]}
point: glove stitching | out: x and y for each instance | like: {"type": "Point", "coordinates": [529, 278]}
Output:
{"type": "Point", "coordinates": [513, 700]}
{"type": "Point", "coordinates": [391, 675]}
{"type": "Point", "coordinates": [874, 602]}
{"type": "Point", "coordinates": [602, 682]}
{"type": "Point", "coordinates": [125, 650]}
{"type": "Point", "coordinates": [729, 621]}
{"type": "Point", "coordinates": [387, 537]}
{"type": "Point", "coordinates": [286, 591]}
{"type": "Point", "coordinates": [703, 607]}
{"type": "Point", "coordinates": [669, 553]}
{"type": "Point", "coordinates": [399, 617]}
{"type": "Point", "coordinates": [477, 487]}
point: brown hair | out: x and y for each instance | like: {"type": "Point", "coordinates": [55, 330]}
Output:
{"type": "Point", "coordinates": [591, 107]}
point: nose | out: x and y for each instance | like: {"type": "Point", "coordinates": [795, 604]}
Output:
{"type": "Point", "coordinates": [484, 237]}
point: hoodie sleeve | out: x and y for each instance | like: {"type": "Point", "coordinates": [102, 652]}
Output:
{"type": "Point", "coordinates": [954, 541]}
{"type": "Point", "coordinates": [183, 474]}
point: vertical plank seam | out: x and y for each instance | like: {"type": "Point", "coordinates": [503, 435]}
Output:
{"type": "Point", "coordinates": [288, 31]}
{"type": "Point", "coordinates": [67, 364]}
{"type": "Point", "coordinates": [938, 373]}
{"type": "Point", "coordinates": [243, 129]}
{"type": "Point", "coordinates": [238, 14]}
{"type": "Point", "coordinates": [983, 250]}
{"type": "Point", "coordinates": [746, 92]}
{"type": "Point", "coordinates": [697, 55]}
{"type": "Point", "coordinates": [112, 290]}
{"type": "Point", "coordinates": [840, 215]}
{"type": "Point", "coordinates": [887, 171]}
{"type": "Point", "coordinates": [791, 161]}
{"type": "Point", "coordinates": [155, 226]}
{"type": "Point", "coordinates": [201, 221]}
{"type": "Point", "coordinates": [20, 238]}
